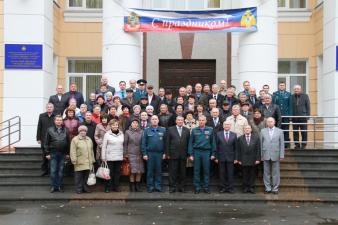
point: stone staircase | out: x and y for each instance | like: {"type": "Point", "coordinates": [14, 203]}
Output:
{"type": "Point", "coordinates": [302, 172]}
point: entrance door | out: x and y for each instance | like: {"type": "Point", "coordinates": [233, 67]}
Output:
{"type": "Point", "coordinates": [177, 73]}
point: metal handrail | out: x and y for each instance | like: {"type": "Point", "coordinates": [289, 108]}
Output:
{"type": "Point", "coordinates": [12, 122]}
{"type": "Point", "coordinates": [312, 120]}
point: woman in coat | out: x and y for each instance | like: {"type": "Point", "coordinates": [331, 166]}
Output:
{"type": "Point", "coordinates": [112, 153]}
{"type": "Point", "coordinates": [100, 130]}
{"type": "Point", "coordinates": [71, 123]}
{"type": "Point", "coordinates": [124, 119]}
{"type": "Point", "coordinates": [82, 157]}
{"type": "Point", "coordinates": [258, 122]}
{"type": "Point", "coordinates": [132, 147]}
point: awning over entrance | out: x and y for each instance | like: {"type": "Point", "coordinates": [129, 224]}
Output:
{"type": "Point", "coordinates": [233, 20]}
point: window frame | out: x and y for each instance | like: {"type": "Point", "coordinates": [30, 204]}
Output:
{"type": "Point", "coordinates": [168, 5]}
{"type": "Point", "coordinates": [83, 75]}
{"type": "Point", "coordinates": [287, 6]}
{"type": "Point", "coordinates": [288, 76]}
{"type": "Point", "coordinates": [83, 7]}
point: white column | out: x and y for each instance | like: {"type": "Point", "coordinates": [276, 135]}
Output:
{"type": "Point", "coordinates": [121, 52]}
{"type": "Point", "coordinates": [258, 51]}
{"type": "Point", "coordinates": [330, 75]}
{"type": "Point", "coordinates": [26, 92]}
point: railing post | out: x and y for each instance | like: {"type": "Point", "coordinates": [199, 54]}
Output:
{"type": "Point", "coordinates": [9, 134]}
{"type": "Point", "coordinates": [314, 132]}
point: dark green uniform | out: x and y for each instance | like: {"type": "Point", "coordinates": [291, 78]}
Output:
{"type": "Point", "coordinates": [202, 145]}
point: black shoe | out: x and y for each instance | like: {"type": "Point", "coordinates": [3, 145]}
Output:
{"type": "Point", "coordinates": [197, 191]}
{"type": "Point", "coordinates": [207, 191]}
{"type": "Point", "coordinates": [150, 190]}
{"type": "Point", "coordinates": [61, 189]}
{"type": "Point", "coordinates": [138, 187]}
{"type": "Point", "coordinates": [172, 190]}
{"type": "Point", "coordinates": [106, 190]}
{"type": "Point", "coordinates": [222, 190]}
{"type": "Point", "coordinates": [302, 147]}
{"type": "Point", "coordinates": [182, 190]}
{"type": "Point", "coordinates": [245, 190]}
{"type": "Point", "coordinates": [78, 192]}
{"type": "Point", "coordinates": [297, 147]}
{"type": "Point", "coordinates": [252, 191]}
{"type": "Point", "coordinates": [231, 191]}
{"type": "Point", "coordinates": [44, 173]}
{"type": "Point", "coordinates": [132, 186]}
{"type": "Point", "coordinates": [52, 190]}
{"type": "Point", "coordinates": [275, 192]}
{"type": "Point", "coordinates": [158, 190]}
{"type": "Point", "coordinates": [267, 192]}
{"type": "Point", "coordinates": [86, 191]}
{"type": "Point", "coordinates": [116, 189]}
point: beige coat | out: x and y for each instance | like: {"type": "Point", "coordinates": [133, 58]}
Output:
{"type": "Point", "coordinates": [237, 125]}
{"type": "Point", "coordinates": [81, 153]}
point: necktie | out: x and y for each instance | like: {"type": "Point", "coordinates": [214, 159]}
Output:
{"type": "Point", "coordinates": [143, 124]}
{"type": "Point", "coordinates": [248, 140]}
{"type": "Point", "coordinates": [226, 136]}
{"type": "Point", "coordinates": [215, 97]}
{"type": "Point", "coordinates": [253, 100]}
{"type": "Point", "coordinates": [215, 122]}
{"type": "Point", "coordinates": [122, 94]}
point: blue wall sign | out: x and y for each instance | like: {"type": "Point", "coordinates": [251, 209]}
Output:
{"type": "Point", "coordinates": [336, 58]}
{"type": "Point", "coordinates": [22, 56]}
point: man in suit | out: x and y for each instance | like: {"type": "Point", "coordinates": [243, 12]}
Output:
{"type": "Point", "coordinates": [176, 151]}
{"type": "Point", "coordinates": [252, 97]}
{"type": "Point", "coordinates": [215, 95]}
{"type": "Point", "coordinates": [59, 101]}
{"type": "Point", "coordinates": [272, 151]}
{"type": "Point", "coordinates": [73, 93]}
{"type": "Point", "coordinates": [248, 156]}
{"type": "Point", "coordinates": [200, 97]}
{"type": "Point", "coordinates": [271, 110]}
{"type": "Point", "coordinates": [46, 120]}
{"type": "Point", "coordinates": [153, 99]}
{"type": "Point", "coordinates": [215, 120]}
{"type": "Point", "coordinates": [300, 106]}
{"type": "Point", "coordinates": [226, 148]}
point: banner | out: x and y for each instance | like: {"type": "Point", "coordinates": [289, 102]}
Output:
{"type": "Point", "coordinates": [234, 20]}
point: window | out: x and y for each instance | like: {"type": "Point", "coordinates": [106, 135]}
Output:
{"type": "Point", "coordinates": [85, 4]}
{"type": "Point", "coordinates": [292, 73]}
{"type": "Point", "coordinates": [185, 4]}
{"type": "Point", "coordinates": [292, 4]}
{"type": "Point", "coordinates": [214, 3]}
{"type": "Point", "coordinates": [86, 74]}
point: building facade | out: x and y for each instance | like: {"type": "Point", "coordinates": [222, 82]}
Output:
{"type": "Point", "coordinates": [83, 39]}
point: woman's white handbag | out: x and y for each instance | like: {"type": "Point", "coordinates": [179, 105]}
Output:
{"type": "Point", "coordinates": [91, 178]}
{"type": "Point", "coordinates": [103, 171]}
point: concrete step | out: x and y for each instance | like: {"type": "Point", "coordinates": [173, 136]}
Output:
{"type": "Point", "coordinates": [27, 150]}
{"type": "Point", "coordinates": [21, 156]}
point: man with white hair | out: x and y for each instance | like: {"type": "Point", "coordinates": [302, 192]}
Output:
{"type": "Point", "coordinates": [238, 122]}
{"type": "Point", "coordinates": [300, 106]}
{"type": "Point", "coordinates": [215, 120]}
{"type": "Point", "coordinates": [215, 95]}
{"type": "Point", "coordinates": [272, 151]}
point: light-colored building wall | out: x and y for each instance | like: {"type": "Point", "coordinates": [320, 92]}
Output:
{"type": "Point", "coordinates": [75, 40]}
{"type": "Point", "coordinates": [1, 57]}
{"type": "Point", "coordinates": [304, 40]}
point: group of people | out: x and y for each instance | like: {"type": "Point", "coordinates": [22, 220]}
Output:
{"type": "Point", "coordinates": [209, 130]}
